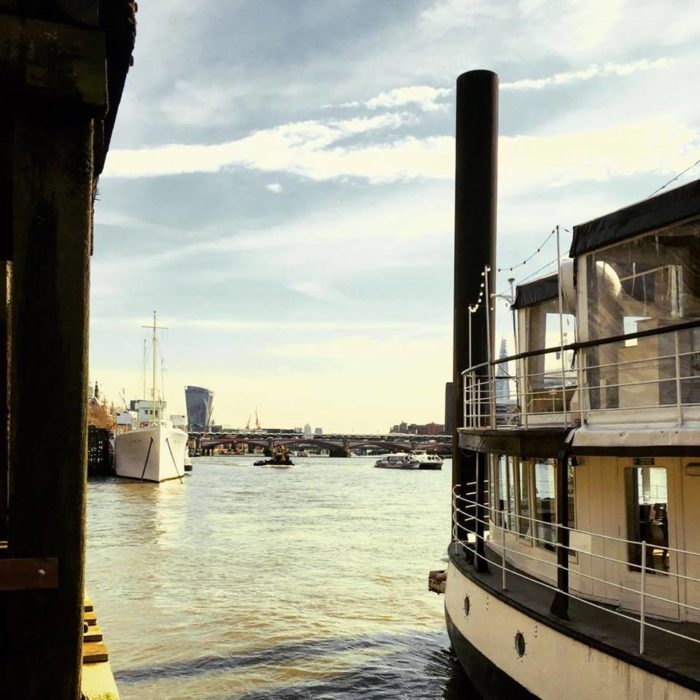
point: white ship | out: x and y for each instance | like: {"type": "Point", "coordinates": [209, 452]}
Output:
{"type": "Point", "coordinates": [398, 460]}
{"type": "Point", "coordinates": [574, 566]}
{"type": "Point", "coordinates": [153, 450]}
{"type": "Point", "coordinates": [427, 460]}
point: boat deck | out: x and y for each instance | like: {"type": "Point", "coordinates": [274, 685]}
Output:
{"type": "Point", "coordinates": [671, 657]}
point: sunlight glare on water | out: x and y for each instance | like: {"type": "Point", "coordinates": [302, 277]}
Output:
{"type": "Point", "coordinates": [251, 582]}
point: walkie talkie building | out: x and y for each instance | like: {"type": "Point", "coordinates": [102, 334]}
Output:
{"type": "Point", "coordinates": [199, 402]}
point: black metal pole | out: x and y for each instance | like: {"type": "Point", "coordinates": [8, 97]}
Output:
{"type": "Point", "coordinates": [476, 146]}
{"type": "Point", "coordinates": [560, 604]}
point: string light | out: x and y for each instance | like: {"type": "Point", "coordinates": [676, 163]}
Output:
{"type": "Point", "coordinates": [527, 260]}
{"type": "Point", "coordinates": [673, 179]}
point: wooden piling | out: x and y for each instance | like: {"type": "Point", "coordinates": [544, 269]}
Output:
{"type": "Point", "coordinates": [63, 66]}
{"type": "Point", "coordinates": [53, 181]}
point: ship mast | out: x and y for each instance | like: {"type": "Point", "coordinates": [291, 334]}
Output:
{"type": "Point", "coordinates": [154, 328]}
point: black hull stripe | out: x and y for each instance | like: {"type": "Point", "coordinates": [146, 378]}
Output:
{"type": "Point", "coordinates": [487, 678]}
{"type": "Point", "coordinates": [641, 662]}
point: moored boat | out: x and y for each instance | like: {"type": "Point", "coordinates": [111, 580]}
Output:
{"type": "Point", "coordinates": [152, 449]}
{"type": "Point", "coordinates": [574, 566]}
{"type": "Point", "coordinates": [399, 460]}
{"type": "Point", "coordinates": [427, 460]}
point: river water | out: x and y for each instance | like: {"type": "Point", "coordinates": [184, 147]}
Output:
{"type": "Point", "coordinates": [252, 582]}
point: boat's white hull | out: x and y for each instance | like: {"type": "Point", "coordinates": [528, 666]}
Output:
{"type": "Point", "coordinates": [408, 465]}
{"type": "Point", "coordinates": [154, 453]}
{"type": "Point", "coordinates": [554, 665]}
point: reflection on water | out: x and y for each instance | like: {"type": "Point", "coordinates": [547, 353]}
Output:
{"type": "Point", "coordinates": [246, 582]}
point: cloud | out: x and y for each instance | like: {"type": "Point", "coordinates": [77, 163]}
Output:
{"type": "Point", "coordinates": [424, 97]}
{"type": "Point", "coordinates": [227, 325]}
{"type": "Point", "coordinates": [274, 187]}
{"type": "Point", "coordinates": [593, 71]}
{"type": "Point", "coordinates": [315, 150]}
{"type": "Point", "coordinates": [290, 147]}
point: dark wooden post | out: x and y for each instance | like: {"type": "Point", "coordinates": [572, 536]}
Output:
{"type": "Point", "coordinates": [6, 136]}
{"type": "Point", "coordinates": [53, 190]}
{"type": "Point", "coordinates": [476, 146]}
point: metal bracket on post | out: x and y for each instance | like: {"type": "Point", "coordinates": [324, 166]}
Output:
{"type": "Point", "coordinates": [28, 574]}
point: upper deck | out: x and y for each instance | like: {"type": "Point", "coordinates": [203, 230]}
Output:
{"type": "Point", "coordinates": [611, 343]}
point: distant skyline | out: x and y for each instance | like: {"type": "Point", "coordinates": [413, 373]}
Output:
{"type": "Point", "coordinates": [280, 186]}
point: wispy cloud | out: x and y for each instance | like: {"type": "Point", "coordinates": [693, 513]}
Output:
{"type": "Point", "coordinates": [274, 187]}
{"type": "Point", "coordinates": [228, 325]}
{"type": "Point", "coordinates": [315, 150]}
{"type": "Point", "coordinates": [424, 97]}
{"type": "Point", "coordinates": [293, 147]}
{"type": "Point", "coordinates": [592, 71]}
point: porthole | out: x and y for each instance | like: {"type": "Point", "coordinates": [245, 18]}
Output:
{"type": "Point", "coordinates": [520, 644]}
{"type": "Point", "coordinates": [467, 606]}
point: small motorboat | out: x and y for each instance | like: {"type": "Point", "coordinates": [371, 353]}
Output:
{"type": "Point", "coordinates": [280, 460]}
{"type": "Point", "coordinates": [427, 460]}
{"type": "Point", "coordinates": [400, 460]}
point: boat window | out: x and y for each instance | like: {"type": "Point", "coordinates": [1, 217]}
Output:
{"type": "Point", "coordinates": [506, 490]}
{"type": "Point", "coordinates": [571, 493]}
{"type": "Point", "coordinates": [544, 372]}
{"type": "Point", "coordinates": [643, 284]}
{"type": "Point", "coordinates": [545, 503]}
{"type": "Point", "coordinates": [646, 495]}
{"type": "Point", "coordinates": [493, 490]}
{"type": "Point", "coordinates": [524, 498]}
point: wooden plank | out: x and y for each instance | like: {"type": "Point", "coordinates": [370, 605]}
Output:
{"type": "Point", "coordinates": [54, 60]}
{"type": "Point", "coordinates": [94, 634]}
{"type": "Point", "coordinates": [28, 574]}
{"type": "Point", "coordinates": [90, 618]}
{"type": "Point", "coordinates": [95, 652]}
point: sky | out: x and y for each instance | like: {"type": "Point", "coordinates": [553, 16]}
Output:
{"type": "Point", "coordinates": [280, 186]}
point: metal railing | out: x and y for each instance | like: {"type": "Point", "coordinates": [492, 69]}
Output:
{"type": "Point", "coordinates": [465, 510]}
{"type": "Point", "coordinates": [601, 379]}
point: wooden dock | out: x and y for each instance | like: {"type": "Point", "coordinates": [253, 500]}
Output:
{"type": "Point", "coordinates": [97, 681]}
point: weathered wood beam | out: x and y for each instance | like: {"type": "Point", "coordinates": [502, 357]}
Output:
{"type": "Point", "coordinates": [53, 61]}
{"type": "Point", "coordinates": [28, 574]}
{"type": "Point", "coordinates": [52, 212]}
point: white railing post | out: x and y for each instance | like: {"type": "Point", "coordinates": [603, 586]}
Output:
{"type": "Point", "coordinates": [642, 587]}
{"type": "Point", "coordinates": [679, 401]}
{"type": "Point", "coordinates": [465, 394]}
{"type": "Point", "coordinates": [561, 332]}
{"type": "Point", "coordinates": [503, 549]}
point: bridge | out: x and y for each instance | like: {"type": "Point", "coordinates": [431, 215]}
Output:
{"type": "Point", "coordinates": [338, 445]}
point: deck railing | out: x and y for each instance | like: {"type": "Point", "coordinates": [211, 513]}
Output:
{"type": "Point", "coordinates": [621, 379]}
{"type": "Point", "coordinates": [465, 516]}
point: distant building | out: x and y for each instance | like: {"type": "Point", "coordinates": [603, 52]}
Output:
{"type": "Point", "coordinates": [502, 388]}
{"type": "Point", "coordinates": [307, 429]}
{"type": "Point", "coordinates": [199, 403]}
{"type": "Point", "coordinates": [299, 430]}
{"type": "Point", "coordinates": [318, 431]}
{"type": "Point", "coordinates": [449, 408]}
{"type": "Point", "coordinates": [418, 429]}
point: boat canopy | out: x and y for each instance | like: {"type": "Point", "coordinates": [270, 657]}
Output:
{"type": "Point", "coordinates": [536, 292]}
{"type": "Point", "coordinates": [650, 214]}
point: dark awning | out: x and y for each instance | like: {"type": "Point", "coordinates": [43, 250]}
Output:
{"type": "Point", "coordinates": [535, 292]}
{"type": "Point", "coordinates": [647, 215]}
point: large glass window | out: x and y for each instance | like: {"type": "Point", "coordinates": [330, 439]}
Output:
{"type": "Point", "coordinates": [544, 372]}
{"type": "Point", "coordinates": [545, 502]}
{"type": "Point", "coordinates": [643, 284]}
{"type": "Point", "coordinates": [646, 495]}
{"type": "Point", "coordinates": [506, 490]}
{"type": "Point", "coordinates": [524, 509]}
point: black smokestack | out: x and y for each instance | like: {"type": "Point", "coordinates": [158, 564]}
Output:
{"type": "Point", "coordinates": [476, 156]}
